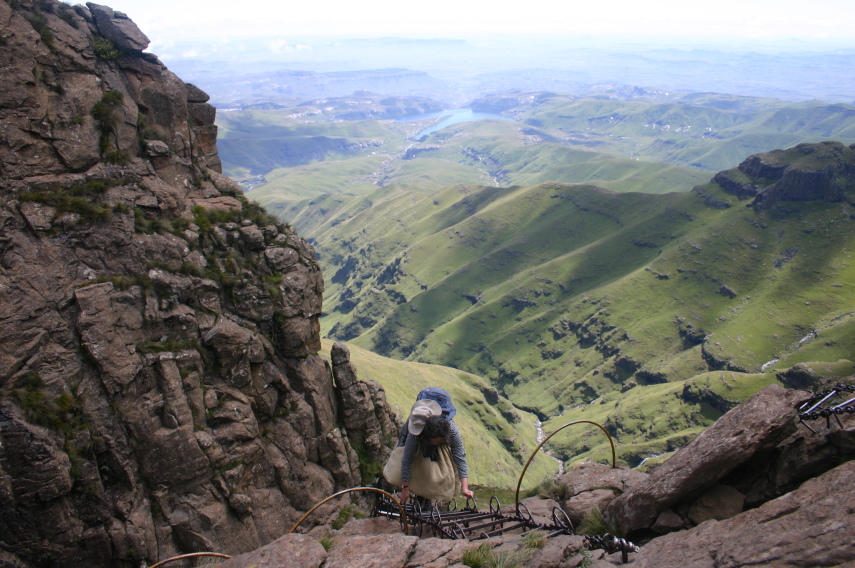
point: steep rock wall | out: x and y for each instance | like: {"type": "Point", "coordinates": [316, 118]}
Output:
{"type": "Point", "coordinates": [160, 389]}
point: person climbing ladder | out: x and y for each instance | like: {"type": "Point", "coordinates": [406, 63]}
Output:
{"type": "Point", "coordinates": [432, 462]}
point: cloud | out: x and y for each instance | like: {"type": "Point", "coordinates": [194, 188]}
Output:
{"type": "Point", "coordinates": [281, 45]}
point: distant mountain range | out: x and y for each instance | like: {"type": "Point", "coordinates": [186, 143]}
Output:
{"type": "Point", "coordinates": [455, 71]}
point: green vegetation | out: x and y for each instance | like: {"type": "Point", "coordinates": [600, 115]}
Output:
{"type": "Point", "coordinates": [122, 282]}
{"type": "Point", "coordinates": [534, 539]}
{"type": "Point", "coordinates": [39, 22]}
{"type": "Point", "coordinates": [170, 344]}
{"type": "Point", "coordinates": [369, 469]}
{"type": "Point", "coordinates": [484, 556]}
{"type": "Point", "coordinates": [61, 413]}
{"type": "Point", "coordinates": [701, 130]}
{"type": "Point", "coordinates": [630, 301]}
{"type": "Point", "coordinates": [80, 199]}
{"type": "Point", "coordinates": [106, 121]}
{"type": "Point", "coordinates": [104, 48]}
{"type": "Point", "coordinates": [327, 541]}
{"type": "Point", "coordinates": [649, 314]}
{"type": "Point", "coordinates": [595, 524]}
{"type": "Point", "coordinates": [346, 514]}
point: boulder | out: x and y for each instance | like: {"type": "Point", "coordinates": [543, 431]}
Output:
{"type": "Point", "coordinates": [118, 28]}
{"type": "Point", "coordinates": [760, 423]}
{"type": "Point", "coordinates": [807, 527]}
{"type": "Point", "coordinates": [589, 485]}
{"type": "Point", "coordinates": [297, 550]}
{"type": "Point", "coordinates": [718, 502]}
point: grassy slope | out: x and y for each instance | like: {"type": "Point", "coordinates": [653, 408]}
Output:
{"type": "Point", "coordinates": [600, 291]}
{"type": "Point", "coordinates": [496, 447]}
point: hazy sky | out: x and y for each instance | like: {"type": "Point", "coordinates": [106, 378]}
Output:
{"type": "Point", "coordinates": [164, 20]}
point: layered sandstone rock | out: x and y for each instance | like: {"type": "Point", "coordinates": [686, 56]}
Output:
{"type": "Point", "coordinates": [160, 389]}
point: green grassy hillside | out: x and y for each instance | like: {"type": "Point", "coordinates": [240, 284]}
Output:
{"type": "Point", "coordinates": [564, 295]}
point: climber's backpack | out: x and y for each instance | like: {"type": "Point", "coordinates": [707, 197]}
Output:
{"type": "Point", "coordinates": [441, 397]}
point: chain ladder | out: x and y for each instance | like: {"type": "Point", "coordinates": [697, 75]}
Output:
{"type": "Point", "coordinates": [823, 405]}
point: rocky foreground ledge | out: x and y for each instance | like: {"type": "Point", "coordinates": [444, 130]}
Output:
{"type": "Point", "coordinates": [756, 488]}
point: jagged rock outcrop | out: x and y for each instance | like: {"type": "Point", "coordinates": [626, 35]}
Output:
{"type": "Point", "coordinates": [160, 389]}
{"type": "Point", "coordinates": [808, 527]}
{"type": "Point", "coordinates": [759, 424]}
{"type": "Point", "coordinates": [806, 172]}
{"type": "Point", "coordinates": [369, 420]}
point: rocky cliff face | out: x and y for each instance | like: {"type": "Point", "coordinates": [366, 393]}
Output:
{"type": "Point", "coordinates": [807, 172]}
{"type": "Point", "coordinates": [160, 390]}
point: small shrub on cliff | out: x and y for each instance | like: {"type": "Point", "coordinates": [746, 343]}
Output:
{"type": "Point", "coordinates": [106, 117]}
{"type": "Point", "coordinates": [66, 12]}
{"type": "Point", "coordinates": [61, 413]}
{"type": "Point", "coordinates": [117, 157]}
{"type": "Point", "coordinates": [77, 199]}
{"type": "Point", "coordinates": [104, 48]}
{"type": "Point", "coordinates": [143, 224]}
{"type": "Point", "coordinates": [256, 213]}
{"type": "Point", "coordinates": [369, 469]}
{"type": "Point", "coordinates": [39, 22]}
{"type": "Point", "coordinates": [170, 344]}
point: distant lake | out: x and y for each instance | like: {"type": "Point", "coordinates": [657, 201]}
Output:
{"type": "Point", "coordinates": [453, 117]}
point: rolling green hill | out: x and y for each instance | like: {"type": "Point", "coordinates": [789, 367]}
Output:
{"type": "Point", "coordinates": [565, 295]}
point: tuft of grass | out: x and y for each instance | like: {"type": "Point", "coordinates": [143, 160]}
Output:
{"type": "Point", "coordinates": [479, 556]}
{"type": "Point", "coordinates": [548, 489]}
{"type": "Point", "coordinates": [327, 541]}
{"type": "Point", "coordinates": [346, 514]}
{"type": "Point", "coordinates": [595, 524]}
{"type": "Point", "coordinates": [484, 556]}
{"type": "Point", "coordinates": [534, 539]}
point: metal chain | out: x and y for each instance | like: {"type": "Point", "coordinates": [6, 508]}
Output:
{"type": "Point", "coordinates": [813, 408]}
{"type": "Point", "coordinates": [612, 544]}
